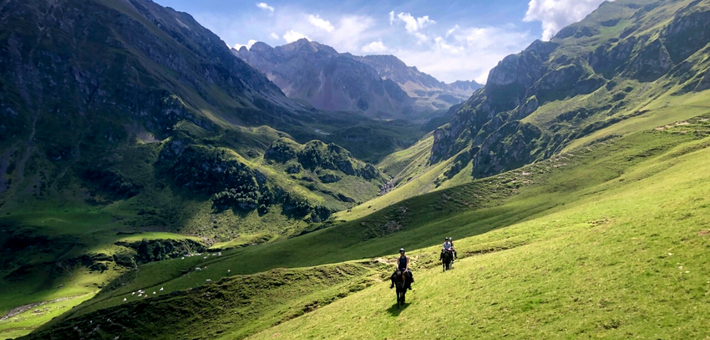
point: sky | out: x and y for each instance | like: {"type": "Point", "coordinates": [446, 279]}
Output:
{"type": "Point", "coordinates": [451, 40]}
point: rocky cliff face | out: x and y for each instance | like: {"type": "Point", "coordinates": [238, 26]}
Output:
{"type": "Point", "coordinates": [328, 80]}
{"type": "Point", "coordinates": [505, 125]}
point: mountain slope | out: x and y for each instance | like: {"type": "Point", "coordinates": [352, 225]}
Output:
{"type": "Point", "coordinates": [124, 120]}
{"type": "Point", "coordinates": [599, 72]}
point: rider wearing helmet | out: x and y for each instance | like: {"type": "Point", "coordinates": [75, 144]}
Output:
{"type": "Point", "coordinates": [403, 266]}
{"type": "Point", "coordinates": [446, 247]}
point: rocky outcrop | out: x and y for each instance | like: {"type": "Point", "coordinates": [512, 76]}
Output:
{"type": "Point", "coordinates": [316, 156]}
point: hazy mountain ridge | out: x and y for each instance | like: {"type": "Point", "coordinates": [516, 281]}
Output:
{"type": "Point", "coordinates": [327, 80]}
{"type": "Point", "coordinates": [330, 80]}
{"type": "Point", "coordinates": [430, 94]}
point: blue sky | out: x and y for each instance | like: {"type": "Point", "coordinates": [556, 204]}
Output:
{"type": "Point", "coordinates": [451, 40]}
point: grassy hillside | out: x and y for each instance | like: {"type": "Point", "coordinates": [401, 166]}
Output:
{"type": "Point", "coordinates": [594, 228]}
{"type": "Point", "coordinates": [626, 258]}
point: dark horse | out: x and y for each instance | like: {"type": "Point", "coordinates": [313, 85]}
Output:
{"type": "Point", "coordinates": [399, 279]}
{"type": "Point", "coordinates": [447, 257]}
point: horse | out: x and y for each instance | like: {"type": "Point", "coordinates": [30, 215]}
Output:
{"type": "Point", "coordinates": [447, 257]}
{"type": "Point", "coordinates": [399, 279]}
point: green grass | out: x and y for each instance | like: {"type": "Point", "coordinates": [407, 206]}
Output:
{"type": "Point", "coordinates": [626, 258]}
{"type": "Point", "coordinates": [229, 308]}
{"type": "Point", "coordinates": [84, 232]}
{"type": "Point", "coordinates": [23, 323]}
{"type": "Point", "coordinates": [593, 229]}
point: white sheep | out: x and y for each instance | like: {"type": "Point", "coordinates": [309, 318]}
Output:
{"type": "Point", "coordinates": [198, 269]}
{"type": "Point", "coordinates": [161, 289]}
{"type": "Point", "coordinates": [208, 280]}
{"type": "Point", "coordinates": [124, 299]}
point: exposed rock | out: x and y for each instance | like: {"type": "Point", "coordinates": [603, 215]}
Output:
{"type": "Point", "coordinates": [328, 80]}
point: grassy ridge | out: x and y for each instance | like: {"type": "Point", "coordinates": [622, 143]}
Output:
{"type": "Point", "coordinates": [567, 199]}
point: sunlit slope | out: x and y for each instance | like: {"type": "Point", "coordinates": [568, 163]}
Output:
{"type": "Point", "coordinates": [627, 258]}
{"type": "Point", "coordinates": [414, 175]}
{"type": "Point", "coordinates": [608, 213]}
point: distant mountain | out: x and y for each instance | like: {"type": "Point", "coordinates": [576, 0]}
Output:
{"type": "Point", "coordinates": [327, 80]}
{"type": "Point", "coordinates": [330, 80]}
{"type": "Point", "coordinates": [430, 94]}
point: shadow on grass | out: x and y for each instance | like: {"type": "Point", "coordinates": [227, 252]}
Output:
{"type": "Point", "coordinates": [394, 311]}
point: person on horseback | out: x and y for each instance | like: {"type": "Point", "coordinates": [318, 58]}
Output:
{"type": "Point", "coordinates": [403, 267]}
{"type": "Point", "coordinates": [448, 246]}
{"type": "Point", "coordinates": [451, 241]}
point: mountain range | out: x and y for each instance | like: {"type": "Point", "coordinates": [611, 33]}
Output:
{"type": "Point", "coordinates": [156, 184]}
{"type": "Point", "coordinates": [378, 86]}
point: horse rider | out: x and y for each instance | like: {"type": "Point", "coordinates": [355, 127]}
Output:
{"type": "Point", "coordinates": [403, 267]}
{"type": "Point", "coordinates": [448, 246]}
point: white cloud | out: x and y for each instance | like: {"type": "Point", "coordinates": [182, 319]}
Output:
{"type": "Point", "coordinates": [391, 18]}
{"type": "Point", "coordinates": [467, 53]}
{"type": "Point", "coordinates": [443, 50]}
{"type": "Point", "coordinates": [265, 6]}
{"type": "Point", "coordinates": [323, 24]}
{"type": "Point", "coordinates": [452, 30]}
{"type": "Point", "coordinates": [556, 14]}
{"type": "Point", "coordinates": [412, 24]}
{"type": "Point", "coordinates": [274, 35]}
{"type": "Point", "coordinates": [375, 47]}
{"type": "Point", "coordinates": [248, 45]}
{"type": "Point", "coordinates": [350, 33]}
{"type": "Point", "coordinates": [292, 36]}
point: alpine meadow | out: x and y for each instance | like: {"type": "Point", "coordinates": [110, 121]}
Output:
{"type": "Point", "coordinates": [156, 183]}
